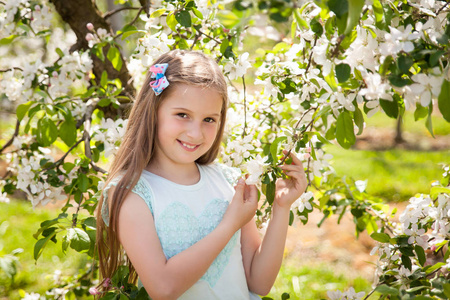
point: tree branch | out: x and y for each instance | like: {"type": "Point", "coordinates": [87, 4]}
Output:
{"type": "Point", "coordinates": [110, 13]}
{"type": "Point", "coordinates": [245, 107]}
{"type": "Point", "coordinates": [16, 133]}
{"type": "Point", "coordinates": [442, 8]}
{"type": "Point", "coordinates": [132, 22]}
{"type": "Point", "coordinates": [59, 161]}
{"type": "Point", "coordinates": [10, 69]}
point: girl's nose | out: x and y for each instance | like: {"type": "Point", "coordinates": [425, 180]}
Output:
{"type": "Point", "coordinates": [195, 131]}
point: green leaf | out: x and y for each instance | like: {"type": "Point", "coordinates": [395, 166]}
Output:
{"type": "Point", "coordinates": [224, 46]}
{"type": "Point", "coordinates": [434, 58]}
{"type": "Point", "coordinates": [359, 119]}
{"type": "Point", "coordinates": [398, 80]}
{"type": "Point", "coordinates": [404, 63]}
{"type": "Point", "coordinates": [182, 44]}
{"type": "Point", "coordinates": [390, 108]}
{"type": "Point", "coordinates": [406, 262]}
{"type": "Point", "coordinates": [436, 190]}
{"type": "Point", "coordinates": [115, 58]}
{"type": "Point", "coordinates": [379, 13]}
{"type": "Point", "coordinates": [420, 255]}
{"type": "Point", "coordinates": [380, 237]}
{"type": "Point", "coordinates": [300, 21]}
{"type": "Point", "coordinates": [339, 7]}
{"type": "Point", "coordinates": [270, 192]}
{"type": "Point", "coordinates": [316, 27]}
{"type": "Point", "coordinates": [47, 132]}
{"type": "Point", "coordinates": [446, 287]}
{"type": "Point", "coordinates": [275, 148]}
{"type": "Point", "coordinates": [345, 134]}
{"type": "Point", "coordinates": [343, 72]}
{"type": "Point", "coordinates": [98, 50]}
{"type": "Point", "coordinates": [171, 21]}
{"type": "Point", "coordinates": [444, 100]}
{"type": "Point", "coordinates": [83, 182]}
{"type": "Point", "coordinates": [184, 18]}
{"type": "Point", "coordinates": [79, 240]}
{"type": "Point", "coordinates": [68, 131]}
{"type": "Point", "coordinates": [197, 13]}
{"type": "Point", "coordinates": [431, 269]}
{"type": "Point", "coordinates": [8, 40]}
{"type": "Point", "coordinates": [354, 14]}
{"type": "Point", "coordinates": [420, 112]}
{"type": "Point", "coordinates": [40, 245]}
{"type": "Point", "coordinates": [22, 109]}
{"type": "Point", "coordinates": [386, 290]}
{"type": "Point", "coordinates": [104, 79]}
{"type": "Point", "coordinates": [158, 13]}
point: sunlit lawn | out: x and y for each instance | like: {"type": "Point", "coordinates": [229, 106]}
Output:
{"type": "Point", "coordinates": [22, 222]}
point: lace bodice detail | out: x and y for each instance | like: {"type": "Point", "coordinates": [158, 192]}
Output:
{"type": "Point", "coordinates": [141, 189]}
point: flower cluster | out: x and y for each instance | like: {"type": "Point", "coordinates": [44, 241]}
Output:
{"type": "Point", "coordinates": [109, 133]}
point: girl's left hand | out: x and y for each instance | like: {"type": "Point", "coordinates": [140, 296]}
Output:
{"type": "Point", "coordinates": [290, 189]}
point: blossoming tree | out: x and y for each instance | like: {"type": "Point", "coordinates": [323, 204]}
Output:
{"type": "Point", "coordinates": [334, 62]}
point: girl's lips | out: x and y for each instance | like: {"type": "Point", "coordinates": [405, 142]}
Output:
{"type": "Point", "coordinates": [187, 146]}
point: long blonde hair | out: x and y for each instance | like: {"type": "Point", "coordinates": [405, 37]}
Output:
{"type": "Point", "coordinates": [138, 145]}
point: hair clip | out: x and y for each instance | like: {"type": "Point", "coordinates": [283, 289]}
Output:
{"type": "Point", "coordinates": [160, 82]}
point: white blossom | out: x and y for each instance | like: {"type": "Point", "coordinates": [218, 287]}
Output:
{"type": "Point", "coordinates": [303, 202]}
{"type": "Point", "coordinates": [237, 68]}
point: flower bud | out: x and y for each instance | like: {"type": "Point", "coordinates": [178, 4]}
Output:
{"type": "Point", "coordinates": [107, 282]}
{"type": "Point", "coordinates": [89, 37]}
{"type": "Point", "coordinates": [94, 291]}
{"type": "Point", "coordinates": [90, 26]}
{"type": "Point", "coordinates": [37, 8]}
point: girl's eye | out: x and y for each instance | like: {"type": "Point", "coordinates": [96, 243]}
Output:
{"type": "Point", "coordinates": [210, 120]}
{"type": "Point", "coordinates": [182, 115]}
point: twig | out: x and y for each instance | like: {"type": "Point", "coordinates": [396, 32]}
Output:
{"type": "Point", "coordinates": [310, 56]}
{"type": "Point", "coordinates": [297, 137]}
{"type": "Point", "coordinates": [87, 146]}
{"type": "Point", "coordinates": [207, 35]}
{"type": "Point", "coordinates": [59, 161]}
{"type": "Point", "coordinates": [10, 69]}
{"type": "Point", "coordinates": [110, 13]}
{"type": "Point", "coordinates": [132, 22]}
{"type": "Point", "coordinates": [335, 52]}
{"type": "Point", "coordinates": [244, 133]}
{"type": "Point", "coordinates": [16, 133]}
{"type": "Point", "coordinates": [442, 8]}
{"type": "Point", "coordinates": [88, 113]}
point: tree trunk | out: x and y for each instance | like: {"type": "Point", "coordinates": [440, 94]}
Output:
{"type": "Point", "coordinates": [77, 13]}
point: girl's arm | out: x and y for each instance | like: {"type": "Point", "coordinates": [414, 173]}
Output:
{"type": "Point", "coordinates": [169, 279]}
{"type": "Point", "coordinates": [262, 260]}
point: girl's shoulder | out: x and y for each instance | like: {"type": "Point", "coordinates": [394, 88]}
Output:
{"type": "Point", "coordinates": [141, 188]}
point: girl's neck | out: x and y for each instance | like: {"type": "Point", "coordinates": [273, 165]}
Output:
{"type": "Point", "coordinates": [185, 175]}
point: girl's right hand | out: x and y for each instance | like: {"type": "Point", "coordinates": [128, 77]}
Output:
{"type": "Point", "coordinates": [243, 206]}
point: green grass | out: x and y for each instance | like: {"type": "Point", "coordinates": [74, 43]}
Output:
{"type": "Point", "coordinates": [395, 175]}
{"type": "Point", "coordinates": [311, 282]}
{"type": "Point", "coordinates": [380, 120]}
{"type": "Point", "coordinates": [32, 276]}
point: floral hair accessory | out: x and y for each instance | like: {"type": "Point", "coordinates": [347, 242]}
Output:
{"type": "Point", "coordinates": [160, 83]}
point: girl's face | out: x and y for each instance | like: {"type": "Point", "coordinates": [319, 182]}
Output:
{"type": "Point", "coordinates": [188, 121]}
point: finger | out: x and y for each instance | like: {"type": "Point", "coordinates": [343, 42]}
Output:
{"type": "Point", "coordinates": [296, 160]}
{"type": "Point", "coordinates": [299, 177]}
{"type": "Point", "coordinates": [292, 168]}
{"type": "Point", "coordinates": [252, 193]}
{"type": "Point", "coordinates": [240, 188]}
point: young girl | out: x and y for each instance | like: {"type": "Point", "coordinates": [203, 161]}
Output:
{"type": "Point", "coordinates": [186, 232]}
